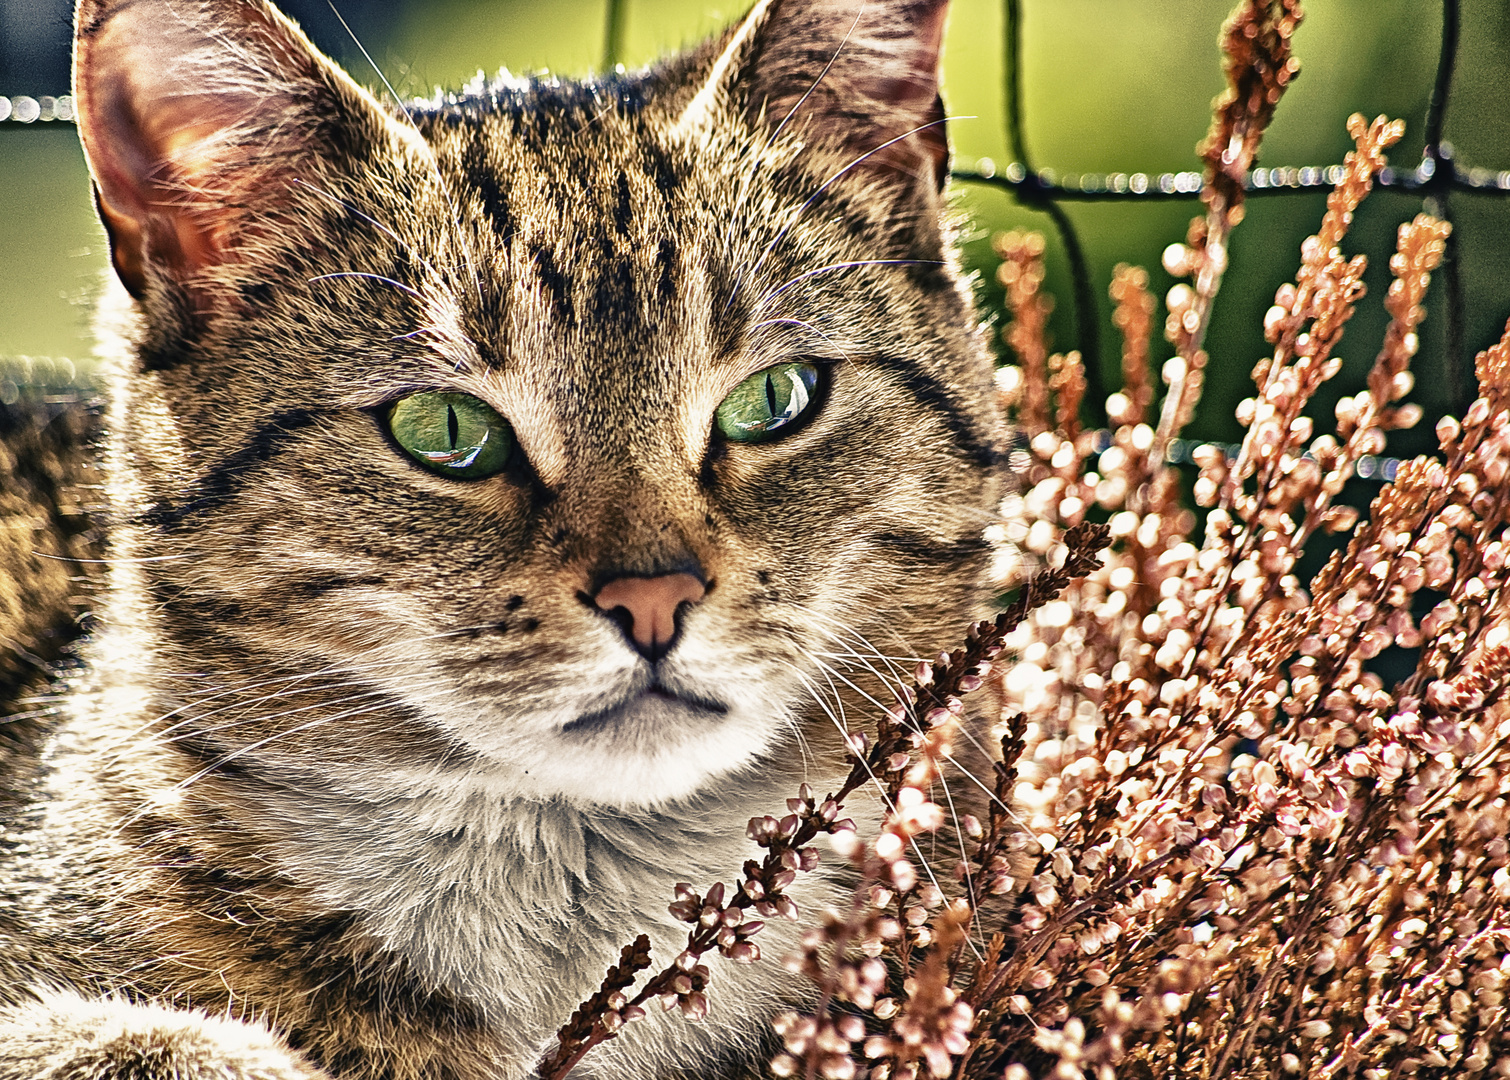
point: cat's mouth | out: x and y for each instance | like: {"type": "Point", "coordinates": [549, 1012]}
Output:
{"type": "Point", "coordinates": [650, 703]}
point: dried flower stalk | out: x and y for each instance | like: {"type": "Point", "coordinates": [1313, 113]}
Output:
{"type": "Point", "coordinates": [1258, 528]}
{"type": "Point", "coordinates": [1021, 274]}
{"type": "Point", "coordinates": [928, 1020]}
{"type": "Point", "coordinates": [600, 1017]}
{"type": "Point", "coordinates": [1229, 850]}
{"type": "Point", "coordinates": [1259, 66]}
{"type": "Point", "coordinates": [1133, 316]}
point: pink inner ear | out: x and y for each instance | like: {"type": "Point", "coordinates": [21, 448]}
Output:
{"type": "Point", "coordinates": [151, 180]}
{"type": "Point", "coordinates": [168, 94]}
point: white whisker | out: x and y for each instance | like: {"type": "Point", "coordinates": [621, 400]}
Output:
{"type": "Point", "coordinates": [375, 223]}
{"type": "Point", "coordinates": [963, 729]}
{"type": "Point", "coordinates": [225, 759]}
{"type": "Point", "coordinates": [372, 64]}
{"type": "Point", "coordinates": [224, 690]}
{"type": "Point", "coordinates": [267, 718]}
{"type": "Point", "coordinates": [746, 175]}
{"type": "Point", "coordinates": [821, 76]}
{"type": "Point", "coordinates": [371, 277]}
{"type": "Point", "coordinates": [959, 836]}
{"type": "Point", "coordinates": [807, 326]}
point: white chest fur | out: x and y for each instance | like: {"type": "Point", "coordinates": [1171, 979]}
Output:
{"type": "Point", "coordinates": [519, 906]}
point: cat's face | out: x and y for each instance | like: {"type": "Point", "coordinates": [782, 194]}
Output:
{"type": "Point", "coordinates": [563, 440]}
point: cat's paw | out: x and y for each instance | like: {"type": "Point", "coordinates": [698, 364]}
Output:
{"type": "Point", "coordinates": [67, 1037]}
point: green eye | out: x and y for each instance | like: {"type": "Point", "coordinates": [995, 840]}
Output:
{"type": "Point", "coordinates": [452, 434]}
{"type": "Point", "coordinates": [768, 402]}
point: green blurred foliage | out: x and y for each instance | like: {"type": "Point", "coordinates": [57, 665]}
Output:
{"type": "Point", "coordinates": [1108, 85]}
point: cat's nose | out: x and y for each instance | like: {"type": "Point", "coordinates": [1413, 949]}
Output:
{"type": "Point", "coordinates": [649, 607]}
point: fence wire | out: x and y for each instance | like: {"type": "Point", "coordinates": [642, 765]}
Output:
{"type": "Point", "coordinates": [1435, 180]}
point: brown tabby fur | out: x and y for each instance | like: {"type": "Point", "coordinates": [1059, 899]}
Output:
{"type": "Point", "coordinates": [352, 768]}
{"type": "Point", "coordinates": [47, 541]}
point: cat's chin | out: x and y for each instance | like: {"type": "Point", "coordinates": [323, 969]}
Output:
{"type": "Point", "coordinates": [644, 754]}
{"type": "Point", "coordinates": [643, 746]}
{"type": "Point", "coordinates": [644, 713]}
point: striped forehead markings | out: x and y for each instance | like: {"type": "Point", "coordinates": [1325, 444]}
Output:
{"type": "Point", "coordinates": [557, 284]}
{"type": "Point", "coordinates": [483, 178]}
{"type": "Point", "coordinates": [623, 207]}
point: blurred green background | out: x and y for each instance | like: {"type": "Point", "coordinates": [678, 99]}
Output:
{"type": "Point", "coordinates": [1109, 86]}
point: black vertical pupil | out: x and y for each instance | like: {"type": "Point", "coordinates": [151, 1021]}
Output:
{"type": "Point", "coordinates": [451, 425]}
{"type": "Point", "coordinates": [770, 393]}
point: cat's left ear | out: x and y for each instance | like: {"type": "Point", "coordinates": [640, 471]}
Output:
{"type": "Point", "coordinates": [196, 117]}
{"type": "Point", "coordinates": [860, 76]}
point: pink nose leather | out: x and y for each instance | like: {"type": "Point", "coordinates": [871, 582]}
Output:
{"type": "Point", "coordinates": [651, 603]}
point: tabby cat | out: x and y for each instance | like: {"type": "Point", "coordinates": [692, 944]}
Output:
{"type": "Point", "coordinates": [507, 494]}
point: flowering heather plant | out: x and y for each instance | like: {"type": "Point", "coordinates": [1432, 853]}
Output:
{"type": "Point", "coordinates": [1217, 843]}
{"type": "Point", "coordinates": [1257, 859]}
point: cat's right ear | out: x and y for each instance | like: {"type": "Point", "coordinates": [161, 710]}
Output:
{"type": "Point", "coordinates": [196, 116]}
{"type": "Point", "coordinates": [860, 78]}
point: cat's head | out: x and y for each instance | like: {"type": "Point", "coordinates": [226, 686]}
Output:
{"type": "Point", "coordinates": [584, 440]}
